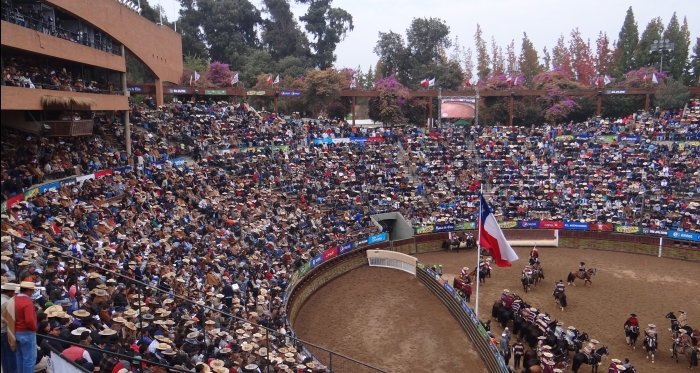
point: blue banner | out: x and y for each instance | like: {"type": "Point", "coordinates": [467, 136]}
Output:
{"type": "Point", "coordinates": [529, 224]}
{"type": "Point", "coordinates": [584, 137]}
{"type": "Point", "coordinates": [381, 237]}
{"type": "Point", "coordinates": [344, 248]}
{"type": "Point", "coordinates": [323, 141]}
{"type": "Point", "coordinates": [444, 228]}
{"type": "Point", "coordinates": [573, 225]}
{"type": "Point", "coordinates": [135, 89]}
{"type": "Point", "coordinates": [629, 138]}
{"type": "Point", "coordinates": [290, 93]}
{"type": "Point", "coordinates": [177, 162]}
{"type": "Point", "coordinates": [316, 261]}
{"type": "Point", "coordinates": [44, 188]}
{"type": "Point", "coordinates": [122, 169]}
{"type": "Point", "coordinates": [690, 236]}
{"type": "Point", "coordinates": [358, 139]}
{"type": "Point", "coordinates": [449, 288]}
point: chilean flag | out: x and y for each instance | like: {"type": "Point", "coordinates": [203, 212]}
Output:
{"type": "Point", "coordinates": [424, 82]}
{"type": "Point", "coordinates": [491, 237]}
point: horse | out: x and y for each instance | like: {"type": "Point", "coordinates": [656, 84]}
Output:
{"type": "Point", "coordinates": [649, 344]}
{"type": "Point", "coordinates": [496, 309]}
{"type": "Point", "coordinates": [632, 333]}
{"type": "Point", "coordinates": [675, 326]}
{"type": "Point", "coordinates": [593, 361]}
{"type": "Point", "coordinates": [538, 275]}
{"type": "Point", "coordinates": [586, 278]}
{"type": "Point", "coordinates": [690, 355]}
{"type": "Point", "coordinates": [526, 280]}
{"type": "Point", "coordinates": [504, 315]}
{"type": "Point", "coordinates": [577, 342]}
{"type": "Point", "coordinates": [532, 365]}
{"type": "Point", "coordinates": [463, 288]}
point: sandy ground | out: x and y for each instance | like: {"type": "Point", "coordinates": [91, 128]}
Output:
{"type": "Point", "coordinates": [625, 283]}
{"type": "Point", "coordinates": [387, 318]}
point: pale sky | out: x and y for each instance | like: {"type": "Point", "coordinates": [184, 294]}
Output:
{"type": "Point", "coordinates": [543, 20]}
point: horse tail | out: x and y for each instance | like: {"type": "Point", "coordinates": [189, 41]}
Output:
{"type": "Point", "coordinates": [562, 299]}
{"type": "Point", "coordinates": [570, 278]}
{"type": "Point", "coordinates": [694, 358]}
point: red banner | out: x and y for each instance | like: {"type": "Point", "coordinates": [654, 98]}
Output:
{"type": "Point", "coordinates": [15, 199]}
{"type": "Point", "coordinates": [102, 173]}
{"type": "Point", "coordinates": [600, 227]}
{"type": "Point", "coordinates": [377, 139]}
{"type": "Point", "coordinates": [330, 253]}
{"type": "Point", "coordinates": [552, 224]}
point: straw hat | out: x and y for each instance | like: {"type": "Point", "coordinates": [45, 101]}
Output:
{"type": "Point", "coordinates": [217, 363]}
{"type": "Point", "coordinates": [27, 285]}
{"type": "Point", "coordinates": [594, 341]}
{"type": "Point", "coordinates": [81, 313]}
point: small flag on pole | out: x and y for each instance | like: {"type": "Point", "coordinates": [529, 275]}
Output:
{"type": "Point", "coordinates": [191, 80]}
{"type": "Point", "coordinates": [424, 82]}
{"type": "Point", "coordinates": [277, 79]}
{"type": "Point", "coordinates": [491, 237]}
{"type": "Point", "coordinates": [467, 83]}
{"type": "Point", "coordinates": [645, 78]}
{"type": "Point", "coordinates": [196, 76]}
{"type": "Point", "coordinates": [607, 80]}
{"type": "Point", "coordinates": [234, 80]}
{"type": "Point", "coordinates": [269, 79]}
{"type": "Point", "coordinates": [515, 81]}
{"type": "Point", "coordinates": [353, 83]}
{"type": "Point", "coordinates": [654, 79]}
{"type": "Point", "coordinates": [431, 82]}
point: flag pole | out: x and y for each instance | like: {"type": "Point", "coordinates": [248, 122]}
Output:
{"type": "Point", "coordinates": [478, 244]}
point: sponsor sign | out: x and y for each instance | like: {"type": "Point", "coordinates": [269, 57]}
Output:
{"type": "Point", "coordinates": [576, 226]}
{"type": "Point", "coordinates": [133, 88]}
{"type": "Point", "coordinates": [420, 265]}
{"type": "Point", "coordinates": [255, 93]}
{"type": "Point", "coordinates": [123, 169]}
{"type": "Point", "coordinates": [177, 162]}
{"type": "Point", "coordinates": [377, 139]}
{"type": "Point", "coordinates": [11, 202]}
{"type": "Point", "coordinates": [629, 138]}
{"type": "Point", "coordinates": [465, 226]}
{"type": "Point", "coordinates": [323, 141]}
{"type": "Point", "coordinates": [615, 91]}
{"type": "Point", "coordinates": [361, 242]}
{"type": "Point", "coordinates": [552, 224]}
{"type": "Point", "coordinates": [627, 229]}
{"type": "Point", "coordinates": [290, 93]}
{"type": "Point", "coordinates": [31, 193]}
{"type": "Point", "coordinates": [381, 237]}
{"type": "Point", "coordinates": [330, 253]}
{"type": "Point", "coordinates": [66, 182]}
{"type": "Point", "coordinates": [529, 224]}
{"type": "Point", "coordinates": [176, 90]}
{"type": "Point", "coordinates": [600, 227]}
{"type": "Point", "coordinates": [215, 92]}
{"type": "Point", "coordinates": [3, 206]}
{"type": "Point", "coordinates": [81, 179]}
{"type": "Point", "coordinates": [444, 228]}
{"type": "Point", "coordinates": [690, 236]}
{"type": "Point", "coordinates": [564, 138]}
{"type": "Point", "coordinates": [425, 229]}
{"type": "Point", "coordinates": [606, 138]}
{"type": "Point", "coordinates": [303, 269]}
{"type": "Point", "coordinates": [660, 232]}
{"type": "Point", "coordinates": [103, 173]}
{"type": "Point", "coordinates": [45, 188]}
{"type": "Point", "coordinates": [344, 248]}
{"type": "Point", "coordinates": [508, 224]}
{"type": "Point", "coordinates": [358, 139]}
{"type": "Point", "coordinates": [315, 261]}
{"type": "Point", "coordinates": [449, 288]}
{"type": "Point", "coordinates": [584, 137]}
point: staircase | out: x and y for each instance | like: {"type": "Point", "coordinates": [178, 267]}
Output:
{"type": "Point", "coordinates": [403, 161]}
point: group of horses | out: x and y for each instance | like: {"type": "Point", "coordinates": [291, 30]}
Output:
{"type": "Point", "coordinates": [650, 345]}
{"type": "Point", "coordinates": [561, 343]}
{"type": "Point", "coordinates": [462, 242]}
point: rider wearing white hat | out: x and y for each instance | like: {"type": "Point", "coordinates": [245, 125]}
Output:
{"type": "Point", "coordinates": [590, 348]}
{"type": "Point", "coordinates": [682, 319]}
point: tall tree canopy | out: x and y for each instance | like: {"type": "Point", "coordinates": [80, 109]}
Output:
{"type": "Point", "coordinates": [675, 60]}
{"type": "Point", "coordinates": [626, 44]}
{"type": "Point", "coordinates": [529, 61]}
{"type": "Point", "coordinates": [328, 26]}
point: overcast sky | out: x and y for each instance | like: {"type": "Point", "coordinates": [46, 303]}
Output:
{"type": "Point", "coordinates": [543, 20]}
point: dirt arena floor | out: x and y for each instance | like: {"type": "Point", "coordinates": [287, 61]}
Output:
{"type": "Point", "coordinates": [625, 283]}
{"type": "Point", "coordinates": [388, 319]}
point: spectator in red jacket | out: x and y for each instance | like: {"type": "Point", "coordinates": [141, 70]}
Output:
{"type": "Point", "coordinates": [25, 328]}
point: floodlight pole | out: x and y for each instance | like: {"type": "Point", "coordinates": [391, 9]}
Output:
{"type": "Point", "coordinates": [439, 106]}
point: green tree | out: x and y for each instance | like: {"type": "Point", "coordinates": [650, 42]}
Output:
{"type": "Point", "coordinates": [642, 55]}
{"type": "Point", "coordinates": [529, 61]}
{"type": "Point", "coordinates": [393, 55]}
{"type": "Point", "coordinates": [230, 28]}
{"type": "Point", "coordinates": [137, 71]}
{"type": "Point", "coordinates": [256, 63]}
{"type": "Point", "coordinates": [425, 38]}
{"type": "Point", "coordinates": [547, 59]}
{"type": "Point", "coordinates": [369, 79]}
{"type": "Point", "coordinates": [693, 75]}
{"type": "Point", "coordinates": [328, 26]}
{"type": "Point", "coordinates": [281, 34]}
{"type": "Point", "coordinates": [626, 44]}
{"type": "Point", "coordinates": [322, 88]}
{"type": "Point", "coordinates": [676, 61]}
{"type": "Point", "coordinates": [189, 26]}
{"type": "Point", "coordinates": [483, 60]}
{"type": "Point", "coordinates": [672, 95]}
{"type": "Point", "coordinates": [387, 107]}
{"type": "Point", "coordinates": [498, 62]}
{"type": "Point", "coordinates": [292, 66]}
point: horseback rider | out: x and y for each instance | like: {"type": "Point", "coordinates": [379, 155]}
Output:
{"type": "Point", "coordinates": [534, 253]}
{"type": "Point", "coordinates": [615, 366]}
{"type": "Point", "coordinates": [559, 330]}
{"type": "Point", "coordinates": [627, 364]}
{"type": "Point", "coordinates": [484, 263]}
{"type": "Point", "coordinates": [684, 339]}
{"type": "Point", "coordinates": [515, 307]}
{"type": "Point", "coordinates": [542, 322]}
{"type": "Point", "coordinates": [527, 272]}
{"type": "Point", "coordinates": [590, 348]}
{"type": "Point", "coordinates": [559, 287]}
{"type": "Point", "coordinates": [464, 275]}
{"type": "Point", "coordinates": [532, 315]}
{"type": "Point", "coordinates": [582, 269]}
{"type": "Point", "coordinates": [631, 322]}
{"type": "Point", "coordinates": [682, 319]}
{"type": "Point", "coordinates": [571, 334]}
{"type": "Point", "coordinates": [650, 332]}
{"type": "Point", "coordinates": [504, 295]}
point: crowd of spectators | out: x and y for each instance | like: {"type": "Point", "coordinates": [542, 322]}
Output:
{"type": "Point", "coordinates": [220, 234]}
{"type": "Point", "coordinates": [27, 72]}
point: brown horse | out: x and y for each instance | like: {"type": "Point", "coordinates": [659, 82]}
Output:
{"type": "Point", "coordinates": [586, 278]}
{"type": "Point", "coordinates": [690, 355]}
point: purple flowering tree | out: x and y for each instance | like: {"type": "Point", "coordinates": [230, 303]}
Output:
{"type": "Point", "coordinates": [388, 107]}
{"type": "Point", "coordinates": [499, 82]}
{"type": "Point", "coordinates": [555, 104]}
{"type": "Point", "coordinates": [642, 78]}
{"type": "Point", "coordinates": [219, 74]}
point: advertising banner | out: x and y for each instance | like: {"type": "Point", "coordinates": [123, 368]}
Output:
{"type": "Point", "coordinates": [255, 93]}
{"type": "Point", "coordinates": [629, 138]}
{"type": "Point", "coordinates": [134, 89]}
{"type": "Point", "coordinates": [102, 173]}
{"type": "Point", "coordinates": [627, 229]}
{"type": "Point", "coordinates": [45, 188]}
{"type": "Point", "coordinates": [552, 224]}
{"type": "Point", "coordinates": [315, 261]}
{"type": "Point", "coordinates": [290, 93]}
{"type": "Point", "coordinates": [690, 236]}
{"type": "Point", "coordinates": [303, 269]}
{"type": "Point", "coordinates": [377, 139]}
{"type": "Point", "coordinates": [177, 162]}
{"type": "Point", "coordinates": [659, 232]}
{"type": "Point", "coordinates": [215, 92]}
{"type": "Point", "coordinates": [444, 228]}
{"type": "Point", "coordinates": [600, 227]}
{"type": "Point", "coordinates": [449, 288]}
{"type": "Point", "coordinates": [81, 179]}
{"type": "Point", "coordinates": [176, 90]}
{"type": "Point", "coordinates": [381, 237]}
{"type": "Point", "coordinates": [330, 253]}
{"type": "Point", "coordinates": [425, 229]}
{"type": "Point", "coordinates": [615, 91]}
{"type": "Point", "coordinates": [323, 141]}
{"type": "Point", "coordinates": [360, 242]}
{"type": "Point", "coordinates": [344, 248]}
{"type": "Point", "coordinates": [573, 225]}
{"type": "Point", "coordinates": [31, 193]}
{"type": "Point", "coordinates": [508, 224]}
{"type": "Point", "coordinates": [123, 170]}
{"type": "Point", "coordinates": [530, 224]}
{"type": "Point", "coordinates": [606, 138]}
{"type": "Point", "coordinates": [358, 139]}
{"type": "Point", "coordinates": [564, 137]}
{"type": "Point", "coordinates": [3, 206]}
{"type": "Point", "coordinates": [465, 226]}
{"type": "Point", "coordinates": [584, 137]}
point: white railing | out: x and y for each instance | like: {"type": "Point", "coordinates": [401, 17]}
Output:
{"type": "Point", "coordinates": [391, 259]}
